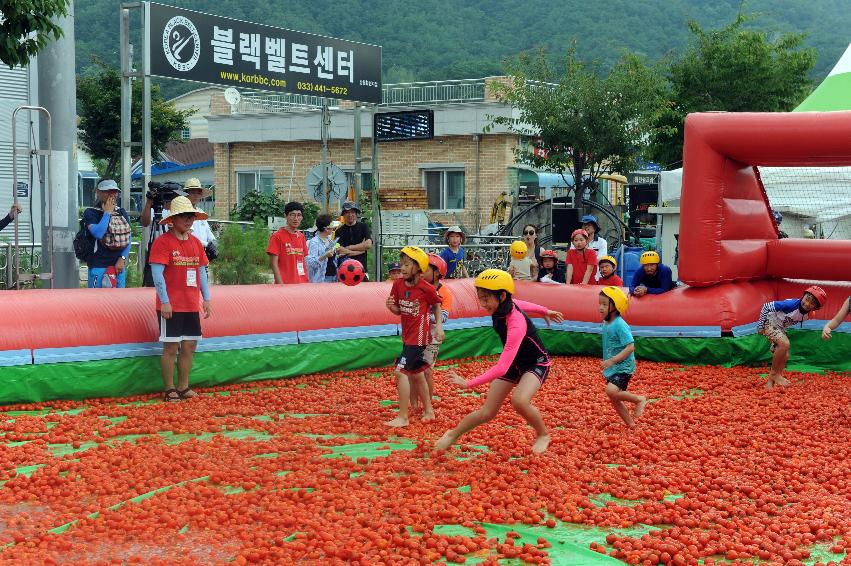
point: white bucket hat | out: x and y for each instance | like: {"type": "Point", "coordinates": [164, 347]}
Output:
{"type": "Point", "coordinates": [195, 183]}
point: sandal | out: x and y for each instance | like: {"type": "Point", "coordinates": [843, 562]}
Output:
{"type": "Point", "coordinates": [171, 395]}
{"type": "Point", "coordinates": [184, 394]}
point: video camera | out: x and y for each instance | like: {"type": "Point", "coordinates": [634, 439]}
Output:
{"type": "Point", "coordinates": [161, 193]}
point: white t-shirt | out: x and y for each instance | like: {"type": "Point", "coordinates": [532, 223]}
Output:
{"type": "Point", "coordinates": [522, 269]}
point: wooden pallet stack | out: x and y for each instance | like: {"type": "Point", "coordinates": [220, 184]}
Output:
{"type": "Point", "coordinates": [413, 198]}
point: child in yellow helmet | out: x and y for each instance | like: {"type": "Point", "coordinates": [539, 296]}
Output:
{"type": "Point", "coordinates": [523, 365]}
{"type": "Point", "coordinates": [412, 298]}
{"type": "Point", "coordinates": [618, 355]}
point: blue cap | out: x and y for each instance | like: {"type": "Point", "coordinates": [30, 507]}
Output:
{"type": "Point", "coordinates": [108, 185]}
{"type": "Point", "coordinates": [393, 266]}
{"type": "Point", "coordinates": [589, 218]}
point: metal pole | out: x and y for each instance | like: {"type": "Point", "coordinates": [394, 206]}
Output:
{"type": "Point", "coordinates": [376, 213]}
{"type": "Point", "coordinates": [146, 91]}
{"type": "Point", "coordinates": [478, 138]}
{"type": "Point", "coordinates": [358, 157]}
{"type": "Point", "coordinates": [126, 107]}
{"type": "Point", "coordinates": [58, 95]}
{"type": "Point", "coordinates": [324, 136]}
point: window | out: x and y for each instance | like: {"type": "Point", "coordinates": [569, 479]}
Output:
{"type": "Point", "coordinates": [185, 133]}
{"type": "Point", "coordinates": [262, 180]}
{"type": "Point", "coordinates": [444, 188]}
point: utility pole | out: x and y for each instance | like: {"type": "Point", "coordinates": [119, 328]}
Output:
{"type": "Point", "coordinates": [326, 121]}
{"type": "Point", "coordinates": [57, 92]}
{"type": "Point", "coordinates": [358, 157]}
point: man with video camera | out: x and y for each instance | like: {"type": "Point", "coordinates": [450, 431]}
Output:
{"type": "Point", "coordinates": [157, 204]}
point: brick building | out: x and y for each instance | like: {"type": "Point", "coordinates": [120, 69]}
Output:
{"type": "Point", "coordinates": [270, 142]}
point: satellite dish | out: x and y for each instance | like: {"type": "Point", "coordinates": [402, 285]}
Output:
{"type": "Point", "coordinates": [232, 96]}
{"type": "Point", "coordinates": [337, 184]}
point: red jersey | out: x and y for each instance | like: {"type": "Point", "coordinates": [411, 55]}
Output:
{"type": "Point", "coordinates": [291, 249]}
{"type": "Point", "coordinates": [611, 280]}
{"type": "Point", "coordinates": [182, 260]}
{"type": "Point", "coordinates": [580, 260]}
{"type": "Point", "coordinates": [415, 303]}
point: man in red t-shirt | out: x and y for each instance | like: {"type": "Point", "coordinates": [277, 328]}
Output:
{"type": "Point", "coordinates": [179, 270]}
{"type": "Point", "coordinates": [413, 299]}
{"type": "Point", "coordinates": [288, 248]}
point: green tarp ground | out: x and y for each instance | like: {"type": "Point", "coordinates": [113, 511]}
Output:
{"type": "Point", "coordinates": [133, 376]}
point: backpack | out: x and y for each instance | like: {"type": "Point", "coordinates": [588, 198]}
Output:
{"type": "Point", "coordinates": [117, 234]}
{"type": "Point", "coordinates": [84, 242]}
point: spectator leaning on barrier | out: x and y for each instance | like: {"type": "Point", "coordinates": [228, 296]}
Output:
{"type": "Point", "coordinates": [13, 213]}
{"type": "Point", "coordinates": [109, 225]}
{"type": "Point", "coordinates": [530, 237]}
{"type": "Point", "coordinates": [321, 251]}
{"type": "Point", "coordinates": [654, 278]}
{"type": "Point", "coordinates": [179, 270]}
{"type": "Point", "coordinates": [595, 242]}
{"type": "Point", "coordinates": [287, 248]}
{"type": "Point", "coordinates": [453, 254]}
{"type": "Point", "coordinates": [201, 228]}
{"type": "Point", "coordinates": [353, 236]}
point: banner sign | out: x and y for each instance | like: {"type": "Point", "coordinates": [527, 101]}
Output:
{"type": "Point", "coordinates": [204, 48]}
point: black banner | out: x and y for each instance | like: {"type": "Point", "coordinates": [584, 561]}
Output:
{"type": "Point", "coordinates": [200, 47]}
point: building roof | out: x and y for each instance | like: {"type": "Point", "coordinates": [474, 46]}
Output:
{"type": "Point", "coordinates": [196, 91]}
{"type": "Point", "coordinates": [197, 150]}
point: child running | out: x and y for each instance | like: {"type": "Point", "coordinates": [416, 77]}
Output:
{"type": "Point", "coordinates": [776, 317]}
{"type": "Point", "coordinates": [522, 366]}
{"type": "Point", "coordinates": [434, 275]}
{"type": "Point", "coordinates": [412, 298]}
{"type": "Point", "coordinates": [619, 354]}
{"type": "Point", "coordinates": [837, 319]}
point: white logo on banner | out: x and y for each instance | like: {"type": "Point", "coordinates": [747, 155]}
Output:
{"type": "Point", "coordinates": [181, 43]}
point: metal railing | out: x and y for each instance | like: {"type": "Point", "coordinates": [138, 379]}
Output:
{"type": "Point", "coordinates": [480, 252]}
{"type": "Point", "coordinates": [31, 263]}
{"type": "Point", "coordinates": [400, 94]}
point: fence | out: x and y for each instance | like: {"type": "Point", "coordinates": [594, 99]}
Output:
{"type": "Point", "coordinates": [30, 255]}
{"type": "Point", "coordinates": [480, 252]}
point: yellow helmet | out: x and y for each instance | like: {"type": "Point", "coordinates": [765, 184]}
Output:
{"type": "Point", "coordinates": [495, 280]}
{"type": "Point", "coordinates": [649, 257]}
{"type": "Point", "coordinates": [618, 297]}
{"type": "Point", "coordinates": [418, 255]}
{"type": "Point", "coordinates": [519, 249]}
{"type": "Point", "coordinates": [608, 258]}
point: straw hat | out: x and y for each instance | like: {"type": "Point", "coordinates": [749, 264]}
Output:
{"type": "Point", "coordinates": [182, 205]}
{"type": "Point", "coordinates": [195, 183]}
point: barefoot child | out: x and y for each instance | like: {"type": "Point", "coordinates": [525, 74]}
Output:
{"type": "Point", "coordinates": [413, 298]}
{"type": "Point", "coordinates": [618, 354]}
{"type": "Point", "coordinates": [522, 366]}
{"type": "Point", "coordinates": [837, 319]}
{"type": "Point", "coordinates": [776, 317]}
{"type": "Point", "coordinates": [436, 271]}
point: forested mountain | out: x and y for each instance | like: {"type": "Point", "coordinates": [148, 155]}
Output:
{"type": "Point", "coordinates": [452, 39]}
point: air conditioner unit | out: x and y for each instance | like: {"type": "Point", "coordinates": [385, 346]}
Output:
{"type": "Point", "coordinates": [411, 223]}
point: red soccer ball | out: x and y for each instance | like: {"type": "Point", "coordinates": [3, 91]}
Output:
{"type": "Point", "coordinates": [350, 272]}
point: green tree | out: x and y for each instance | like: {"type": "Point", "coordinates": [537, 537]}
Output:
{"type": "Point", "coordinates": [736, 69]}
{"type": "Point", "coordinates": [26, 26]}
{"type": "Point", "coordinates": [584, 123]}
{"type": "Point", "coordinates": [256, 206]}
{"type": "Point", "coordinates": [242, 255]}
{"type": "Point", "coordinates": [99, 109]}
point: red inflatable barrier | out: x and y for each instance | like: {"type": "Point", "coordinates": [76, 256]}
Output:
{"type": "Point", "coordinates": [725, 219]}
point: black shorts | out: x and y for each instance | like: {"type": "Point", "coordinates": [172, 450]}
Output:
{"type": "Point", "coordinates": [412, 361]}
{"type": "Point", "coordinates": [541, 369]}
{"type": "Point", "coordinates": [181, 326]}
{"type": "Point", "coordinates": [620, 380]}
